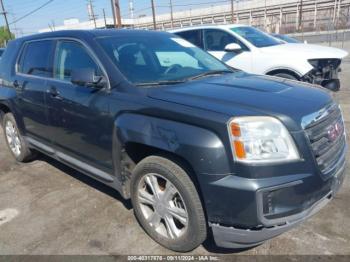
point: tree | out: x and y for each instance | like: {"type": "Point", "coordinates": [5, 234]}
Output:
{"type": "Point", "coordinates": [4, 36]}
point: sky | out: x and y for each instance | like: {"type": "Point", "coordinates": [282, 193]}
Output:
{"type": "Point", "coordinates": [58, 10]}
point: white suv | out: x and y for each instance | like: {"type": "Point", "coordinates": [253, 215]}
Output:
{"type": "Point", "coordinates": [249, 49]}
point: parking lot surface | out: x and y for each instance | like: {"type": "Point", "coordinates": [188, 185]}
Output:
{"type": "Point", "coordinates": [48, 208]}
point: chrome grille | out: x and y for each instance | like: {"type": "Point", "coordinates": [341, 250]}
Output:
{"type": "Point", "coordinates": [326, 133]}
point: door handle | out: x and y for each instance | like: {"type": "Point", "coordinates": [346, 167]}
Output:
{"type": "Point", "coordinates": [17, 85]}
{"type": "Point", "coordinates": [54, 93]}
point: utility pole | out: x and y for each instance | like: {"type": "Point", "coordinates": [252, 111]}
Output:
{"type": "Point", "coordinates": [91, 12]}
{"type": "Point", "coordinates": [104, 17]}
{"type": "Point", "coordinates": [265, 17]}
{"type": "Point", "coordinates": [52, 25]}
{"type": "Point", "coordinates": [4, 13]}
{"type": "Point", "coordinates": [232, 12]}
{"type": "Point", "coordinates": [171, 13]}
{"type": "Point", "coordinates": [116, 13]}
{"type": "Point", "coordinates": [154, 16]}
{"type": "Point", "coordinates": [131, 9]}
{"type": "Point", "coordinates": [301, 16]}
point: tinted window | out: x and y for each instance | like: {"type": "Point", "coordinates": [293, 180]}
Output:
{"type": "Point", "coordinates": [193, 36]}
{"type": "Point", "coordinates": [160, 57]}
{"type": "Point", "coordinates": [255, 36]}
{"type": "Point", "coordinates": [72, 55]}
{"type": "Point", "coordinates": [217, 40]}
{"type": "Point", "coordinates": [35, 58]}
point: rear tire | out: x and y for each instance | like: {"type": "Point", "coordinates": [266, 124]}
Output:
{"type": "Point", "coordinates": [167, 204]}
{"type": "Point", "coordinates": [15, 141]}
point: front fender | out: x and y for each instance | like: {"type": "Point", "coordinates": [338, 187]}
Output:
{"type": "Point", "coordinates": [201, 148]}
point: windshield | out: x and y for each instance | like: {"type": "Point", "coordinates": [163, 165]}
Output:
{"type": "Point", "coordinates": [255, 36]}
{"type": "Point", "coordinates": [288, 39]}
{"type": "Point", "coordinates": [159, 58]}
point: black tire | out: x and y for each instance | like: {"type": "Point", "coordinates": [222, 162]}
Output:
{"type": "Point", "coordinates": [25, 154]}
{"type": "Point", "coordinates": [286, 76]}
{"type": "Point", "coordinates": [196, 231]}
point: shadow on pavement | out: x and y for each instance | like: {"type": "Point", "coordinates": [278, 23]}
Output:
{"type": "Point", "coordinates": [86, 179]}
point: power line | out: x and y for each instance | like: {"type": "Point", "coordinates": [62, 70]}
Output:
{"type": "Point", "coordinates": [32, 12]}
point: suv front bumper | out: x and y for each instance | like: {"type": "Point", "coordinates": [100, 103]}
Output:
{"type": "Point", "coordinates": [232, 237]}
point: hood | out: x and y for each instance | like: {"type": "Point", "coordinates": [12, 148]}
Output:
{"type": "Point", "coordinates": [244, 94]}
{"type": "Point", "coordinates": [307, 51]}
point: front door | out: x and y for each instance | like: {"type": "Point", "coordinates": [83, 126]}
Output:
{"type": "Point", "coordinates": [79, 117]}
{"type": "Point", "coordinates": [215, 41]}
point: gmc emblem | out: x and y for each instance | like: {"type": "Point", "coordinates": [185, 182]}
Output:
{"type": "Point", "coordinates": [335, 131]}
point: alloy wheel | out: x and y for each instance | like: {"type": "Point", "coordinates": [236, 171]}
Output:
{"type": "Point", "coordinates": [162, 206]}
{"type": "Point", "coordinates": [13, 138]}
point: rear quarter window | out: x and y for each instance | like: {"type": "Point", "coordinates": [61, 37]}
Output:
{"type": "Point", "coordinates": [35, 58]}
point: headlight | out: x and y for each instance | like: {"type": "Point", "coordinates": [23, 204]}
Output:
{"type": "Point", "coordinates": [261, 139]}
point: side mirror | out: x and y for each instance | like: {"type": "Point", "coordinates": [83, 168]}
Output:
{"type": "Point", "coordinates": [233, 47]}
{"type": "Point", "coordinates": [87, 77]}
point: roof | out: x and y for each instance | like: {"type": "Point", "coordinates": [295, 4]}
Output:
{"type": "Point", "coordinates": [90, 33]}
{"type": "Point", "coordinates": [226, 26]}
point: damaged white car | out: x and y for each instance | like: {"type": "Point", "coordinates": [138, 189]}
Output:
{"type": "Point", "coordinates": [249, 49]}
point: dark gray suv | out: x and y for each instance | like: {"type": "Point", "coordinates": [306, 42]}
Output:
{"type": "Point", "coordinates": [197, 146]}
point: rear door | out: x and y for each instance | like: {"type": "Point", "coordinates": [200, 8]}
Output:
{"type": "Point", "coordinates": [32, 71]}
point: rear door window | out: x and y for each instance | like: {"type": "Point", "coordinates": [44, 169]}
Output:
{"type": "Point", "coordinates": [35, 58]}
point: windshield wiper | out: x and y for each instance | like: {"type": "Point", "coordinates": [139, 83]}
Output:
{"type": "Point", "coordinates": [159, 83]}
{"type": "Point", "coordinates": [173, 82]}
{"type": "Point", "coordinates": [208, 73]}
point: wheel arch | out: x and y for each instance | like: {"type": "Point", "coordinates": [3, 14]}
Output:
{"type": "Point", "coordinates": [195, 149]}
{"type": "Point", "coordinates": [131, 150]}
{"type": "Point", "coordinates": [289, 71]}
{"type": "Point", "coordinates": [4, 109]}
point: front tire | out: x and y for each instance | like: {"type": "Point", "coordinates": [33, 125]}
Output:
{"type": "Point", "coordinates": [14, 140]}
{"type": "Point", "coordinates": [167, 204]}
